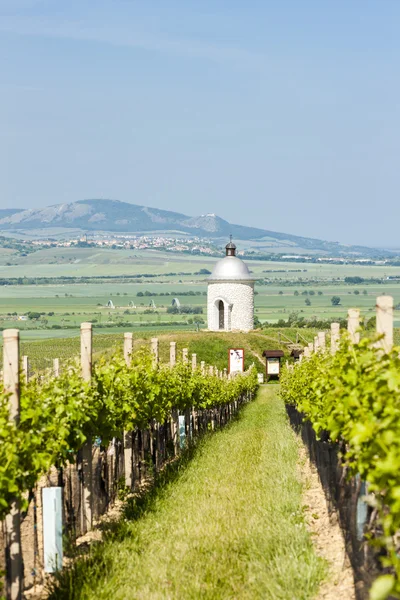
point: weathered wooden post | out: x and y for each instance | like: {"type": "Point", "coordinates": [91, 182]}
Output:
{"type": "Point", "coordinates": [86, 367]}
{"type": "Point", "coordinates": [203, 366]}
{"type": "Point", "coordinates": [172, 354]}
{"type": "Point", "coordinates": [25, 368]}
{"type": "Point", "coordinates": [353, 324]}
{"type": "Point", "coordinates": [316, 343]}
{"type": "Point", "coordinates": [194, 362]}
{"type": "Point", "coordinates": [311, 347]}
{"type": "Point", "coordinates": [175, 412]}
{"type": "Point", "coordinates": [128, 347]}
{"type": "Point", "coordinates": [384, 322]}
{"type": "Point", "coordinates": [335, 337]}
{"type": "Point", "coordinates": [56, 367]}
{"type": "Point", "coordinates": [14, 565]}
{"type": "Point", "coordinates": [188, 427]}
{"type": "Point", "coordinates": [128, 437]}
{"type": "Point", "coordinates": [154, 351]}
{"type": "Point", "coordinates": [307, 352]}
{"type": "Point", "coordinates": [322, 340]}
{"type": "Point", "coordinates": [225, 373]}
{"type": "Point", "coordinates": [211, 370]}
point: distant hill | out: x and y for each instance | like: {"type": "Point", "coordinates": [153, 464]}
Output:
{"type": "Point", "coordinates": [7, 212]}
{"type": "Point", "coordinates": [116, 216]}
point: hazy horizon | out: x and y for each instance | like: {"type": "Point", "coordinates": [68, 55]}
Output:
{"type": "Point", "coordinates": [277, 116]}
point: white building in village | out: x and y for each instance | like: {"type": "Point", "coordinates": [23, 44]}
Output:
{"type": "Point", "coordinates": [230, 303]}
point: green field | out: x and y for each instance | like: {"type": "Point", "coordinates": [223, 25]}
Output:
{"type": "Point", "coordinates": [73, 303]}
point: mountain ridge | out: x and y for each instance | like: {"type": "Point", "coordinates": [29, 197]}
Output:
{"type": "Point", "coordinates": [117, 216]}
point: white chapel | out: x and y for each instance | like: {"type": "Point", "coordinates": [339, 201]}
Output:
{"type": "Point", "coordinates": [230, 302]}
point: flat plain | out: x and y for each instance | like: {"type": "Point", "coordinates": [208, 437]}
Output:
{"type": "Point", "coordinates": [283, 288]}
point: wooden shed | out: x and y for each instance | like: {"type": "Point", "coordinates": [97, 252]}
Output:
{"type": "Point", "coordinates": [273, 363]}
{"type": "Point", "coordinates": [296, 353]}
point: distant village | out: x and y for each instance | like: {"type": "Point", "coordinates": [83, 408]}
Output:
{"type": "Point", "coordinates": [132, 242]}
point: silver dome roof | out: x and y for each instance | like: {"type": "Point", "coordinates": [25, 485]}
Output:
{"type": "Point", "coordinates": [231, 268]}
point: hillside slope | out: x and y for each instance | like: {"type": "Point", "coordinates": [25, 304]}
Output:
{"type": "Point", "coordinates": [116, 216]}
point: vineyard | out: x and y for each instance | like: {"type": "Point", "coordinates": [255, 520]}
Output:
{"type": "Point", "coordinates": [142, 410]}
{"type": "Point", "coordinates": [117, 421]}
{"type": "Point", "coordinates": [351, 397]}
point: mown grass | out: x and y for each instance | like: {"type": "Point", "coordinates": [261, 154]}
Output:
{"type": "Point", "coordinates": [228, 524]}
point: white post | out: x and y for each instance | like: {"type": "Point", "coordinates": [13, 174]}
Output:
{"type": "Point", "coordinates": [154, 351]}
{"type": "Point", "coordinates": [56, 367]}
{"type": "Point", "coordinates": [128, 441]}
{"type": "Point", "coordinates": [128, 347]}
{"type": "Point", "coordinates": [14, 567]}
{"type": "Point", "coordinates": [185, 355]}
{"type": "Point", "coordinates": [86, 366]}
{"type": "Point", "coordinates": [307, 352]}
{"type": "Point", "coordinates": [322, 340]}
{"type": "Point", "coordinates": [384, 321]}
{"type": "Point", "coordinates": [211, 370]}
{"type": "Point", "coordinates": [172, 354]}
{"type": "Point", "coordinates": [316, 343]}
{"type": "Point", "coordinates": [225, 373]}
{"type": "Point", "coordinates": [353, 324]}
{"type": "Point", "coordinates": [203, 366]}
{"type": "Point", "coordinates": [194, 362]}
{"type": "Point", "coordinates": [335, 337]}
{"type": "Point", "coordinates": [25, 368]}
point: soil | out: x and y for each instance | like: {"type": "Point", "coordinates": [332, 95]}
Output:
{"type": "Point", "coordinates": [326, 534]}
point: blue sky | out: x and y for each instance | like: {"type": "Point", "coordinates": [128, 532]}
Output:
{"type": "Point", "coordinates": [283, 115]}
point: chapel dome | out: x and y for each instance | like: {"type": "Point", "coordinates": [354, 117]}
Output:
{"type": "Point", "coordinates": [230, 268]}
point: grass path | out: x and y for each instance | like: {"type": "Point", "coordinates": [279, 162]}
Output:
{"type": "Point", "coordinates": [228, 526]}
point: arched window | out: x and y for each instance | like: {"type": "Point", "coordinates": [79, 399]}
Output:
{"type": "Point", "coordinates": [221, 314]}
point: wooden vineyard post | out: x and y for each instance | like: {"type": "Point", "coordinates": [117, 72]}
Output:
{"type": "Point", "coordinates": [56, 367]}
{"type": "Point", "coordinates": [311, 347]}
{"type": "Point", "coordinates": [172, 354]}
{"type": "Point", "coordinates": [128, 435]}
{"type": "Point", "coordinates": [14, 565]}
{"type": "Point", "coordinates": [307, 352]}
{"type": "Point", "coordinates": [203, 367]}
{"type": "Point", "coordinates": [25, 368]}
{"type": "Point", "coordinates": [86, 366]}
{"type": "Point", "coordinates": [128, 347]}
{"type": "Point", "coordinates": [194, 412]}
{"type": "Point", "coordinates": [353, 324]}
{"type": "Point", "coordinates": [384, 322]}
{"type": "Point", "coordinates": [322, 340]}
{"type": "Point", "coordinates": [335, 337]}
{"type": "Point", "coordinates": [188, 428]}
{"type": "Point", "coordinates": [155, 351]}
{"type": "Point", "coordinates": [316, 343]}
{"type": "Point", "coordinates": [175, 412]}
{"type": "Point", "coordinates": [225, 373]}
{"type": "Point", "coordinates": [211, 370]}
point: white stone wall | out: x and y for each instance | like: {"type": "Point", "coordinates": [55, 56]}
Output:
{"type": "Point", "coordinates": [238, 298]}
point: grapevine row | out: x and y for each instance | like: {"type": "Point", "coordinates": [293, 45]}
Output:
{"type": "Point", "coordinates": [353, 396]}
{"type": "Point", "coordinates": [58, 416]}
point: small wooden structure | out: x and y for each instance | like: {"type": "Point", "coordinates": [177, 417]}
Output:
{"type": "Point", "coordinates": [296, 353]}
{"type": "Point", "coordinates": [273, 363]}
